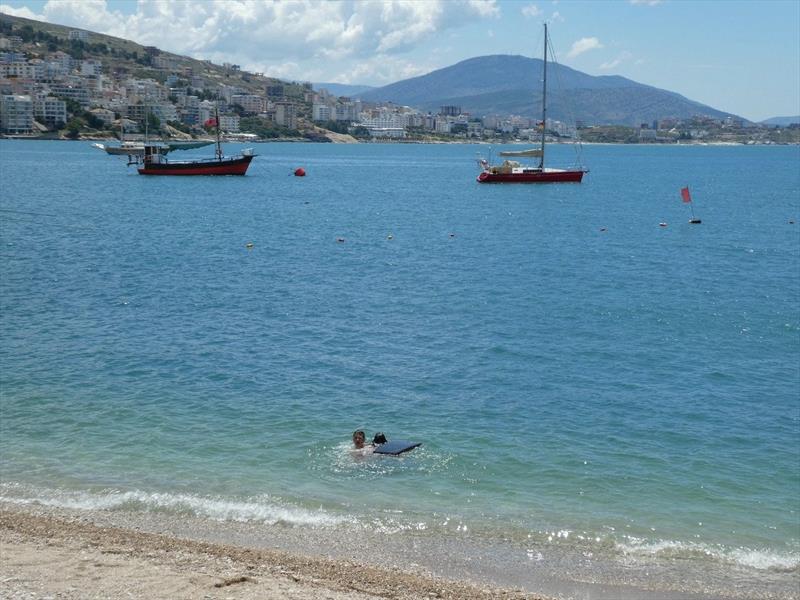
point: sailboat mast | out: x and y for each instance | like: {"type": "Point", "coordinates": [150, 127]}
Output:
{"type": "Point", "coordinates": [544, 97]}
{"type": "Point", "coordinates": [219, 147]}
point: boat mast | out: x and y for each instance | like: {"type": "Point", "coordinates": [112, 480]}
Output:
{"type": "Point", "coordinates": [218, 151]}
{"type": "Point", "coordinates": [544, 97]}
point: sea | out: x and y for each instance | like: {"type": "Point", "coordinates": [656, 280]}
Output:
{"type": "Point", "coordinates": [607, 396]}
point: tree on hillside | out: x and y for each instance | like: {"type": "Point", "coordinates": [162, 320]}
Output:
{"type": "Point", "coordinates": [74, 128]}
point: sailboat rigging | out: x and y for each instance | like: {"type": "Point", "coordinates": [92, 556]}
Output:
{"type": "Point", "coordinates": [511, 171]}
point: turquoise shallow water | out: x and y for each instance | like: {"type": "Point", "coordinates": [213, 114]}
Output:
{"type": "Point", "coordinates": [577, 374]}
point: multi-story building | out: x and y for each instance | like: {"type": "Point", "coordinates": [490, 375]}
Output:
{"type": "Point", "coordinates": [229, 123]}
{"type": "Point", "coordinates": [474, 129]}
{"type": "Point", "coordinates": [347, 111]}
{"type": "Point", "coordinates": [79, 34]}
{"type": "Point", "coordinates": [286, 114]}
{"type": "Point", "coordinates": [229, 91]}
{"type": "Point", "coordinates": [205, 110]}
{"type": "Point", "coordinates": [104, 114]}
{"type": "Point", "coordinates": [165, 111]}
{"type": "Point", "coordinates": [250, 103]}
{"type": "Point", "coordinates": [321, 112]}
{"type": "Point", "coordinates": [79, 94]}
{"type": "Point", "coordinates": [24, 70]}
{"type": "Point", "coordinates": [91, 68]}
{"type": "Point", "coordinates": [50, 111]}
{"type": "Point", "coordinates": [16, 114]}
{"type": "Point", "coordinates": [442, 125]}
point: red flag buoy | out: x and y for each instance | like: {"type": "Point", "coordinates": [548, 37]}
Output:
{"type": "Point", "coordinates": [299, 172]}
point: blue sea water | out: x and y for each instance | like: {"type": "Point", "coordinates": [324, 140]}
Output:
{"type": "Point", "coordinates": [585, 382]}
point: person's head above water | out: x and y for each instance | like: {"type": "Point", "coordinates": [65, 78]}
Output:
{"type": "Point", "coordinates": [359, 438]}
{"type": "Point", "coordinates": [379, 439]}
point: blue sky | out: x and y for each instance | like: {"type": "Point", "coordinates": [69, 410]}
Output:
{"type": "Point", "coordinates": [738, 56]}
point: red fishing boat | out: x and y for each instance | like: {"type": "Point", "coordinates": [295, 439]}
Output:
{"type": "Point", "coordinates": [156, 163]}
{"type": "Point", "coordinates": [511, 171]}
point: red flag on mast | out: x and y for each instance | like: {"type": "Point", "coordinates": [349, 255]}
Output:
{"type": "Point", "coordinates": [685, 194]}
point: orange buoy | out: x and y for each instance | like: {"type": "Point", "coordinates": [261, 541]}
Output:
{"type": "Point", "coordinates": [299, 172]}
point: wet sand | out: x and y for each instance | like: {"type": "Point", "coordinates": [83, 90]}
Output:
{"type": "Point", "coordinates": [47, 554]}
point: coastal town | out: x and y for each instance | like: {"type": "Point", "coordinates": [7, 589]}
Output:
{"type": "Point", "coordinates": [68, 84]}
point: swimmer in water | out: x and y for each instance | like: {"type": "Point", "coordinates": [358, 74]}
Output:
{"type": "Point", "coordinates": [360, 445]}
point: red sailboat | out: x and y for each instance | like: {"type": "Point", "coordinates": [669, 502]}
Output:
{"type": "Point", "coordinates": [511, 171]}
{"type": "Point", "coordinates": [155, 163]}
{"type": "Point", "coordinates": [687, 199]}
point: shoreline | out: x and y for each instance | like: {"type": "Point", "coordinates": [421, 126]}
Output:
{"type": "Point", "coordinates": [418, 142]}
{"type": "Point", "coordinates": [115, 554]}
{"type": "Point", "coordinates": [53, 553]}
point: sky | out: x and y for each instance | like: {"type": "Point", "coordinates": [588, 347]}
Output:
{"type": "Point", "coordinates": [738, 56]}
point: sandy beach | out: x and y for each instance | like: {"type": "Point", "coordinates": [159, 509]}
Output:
{"type": "Point", "coordinates": [51, 555]}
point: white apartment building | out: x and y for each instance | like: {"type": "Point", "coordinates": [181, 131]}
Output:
{"type": "Point", "coordinates": [91, 68]}
{"type": "Point", "coordinates": [250, 103]}
{"type": "Point", "coordinates": [384, 119]}
{"type": "Point", "coordinates": [229, 123]}
{"type": "Point", "coordinates": [349, 111]}
{"type": "Point", "coordinates": [145, 89]}
{"type": "Point", "coordinates": [321, 112]}
{"type": "Point", "coordinates": [387, 132]}
{"type": "Point", "coordinates": [63, 90]}
{"type": "Point", "coordinates": [22, 70]}
{"type": "Point", "coordinates": [50, 111]}
{"type": "Point", "coordinates": [165, 111]}
{"type": "Point", "coordinates": [205, 110]}
{"type": "Point", "coordinates": [62, 62]}
{"type": "Point", "coordinates": [16, 114]}
{"type": "Point", "coordinates": [442, 125]}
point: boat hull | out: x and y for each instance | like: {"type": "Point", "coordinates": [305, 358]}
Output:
{"type": "Point", "coordinates": [532, 177]}
{"type": "Point", "coordinates": [225, 166]}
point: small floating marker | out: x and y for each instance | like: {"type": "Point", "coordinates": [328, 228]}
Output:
{"type": "Point", "coordinates": [299, 172]}
{"type": "Point", "coordinates": [662, 224]}
{"type": "Point", "coordinates": [390, 237]}
{"type": "Point", "coordinates": [340, 240]}
{"type": "Point", "coordinates": [249, 245]}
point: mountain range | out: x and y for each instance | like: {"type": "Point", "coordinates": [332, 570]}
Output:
{"type": "Point", "coordinates": [511, 84]}
{"type": "Point", "coordinates": [781, 121]}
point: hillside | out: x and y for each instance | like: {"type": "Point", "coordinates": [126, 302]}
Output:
{"type": "Point", "coordinates": [505, 84]}
{"type": "Point", "coordinates": [126, 58]}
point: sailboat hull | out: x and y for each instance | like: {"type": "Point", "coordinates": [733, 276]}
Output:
{"type": "Point", "coordinates": [226, 166]}
{"type": "Point", "coordinates": [532, 176]}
